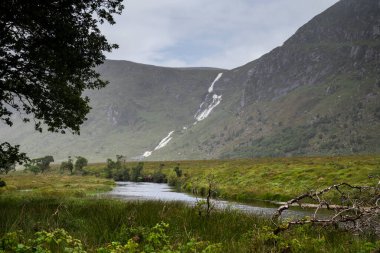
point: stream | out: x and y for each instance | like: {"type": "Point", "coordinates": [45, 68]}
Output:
{"type": "Point", "coordinates": [133, 191]}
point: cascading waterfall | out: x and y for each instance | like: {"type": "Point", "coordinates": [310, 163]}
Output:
{"type": "Point", "coordinates": [211, 101]}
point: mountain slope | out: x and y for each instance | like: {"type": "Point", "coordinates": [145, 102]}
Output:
{"type": "Point", "coordinates": [316, 94]}
{"type": "Point", "coordinates": [319, 93]}
{"type": "Point", "coordinates": [139, 107]}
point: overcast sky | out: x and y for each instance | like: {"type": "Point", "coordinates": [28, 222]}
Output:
{"type": "Point", "coordinates": [213, 33]}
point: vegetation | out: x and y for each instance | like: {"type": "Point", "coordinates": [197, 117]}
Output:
{"type": "Point", "coordinates": [58, 212]}
{"type": "Point", "coordinates": [9, 156]}
{"type": "Point", "coordinates": [119, 171]}
{"type": "Point", "coordinates": [58, 216]}
{"type": "Point", "coordinates": [80, 163]}
{"type": "Point", "coordinates": [48, 54]}
{"type": "Point", "coordinates": [277, 179]}
{"type": "Point", "coordinates": [39, 165]}
{"type": "Point", "coordinates": [67, 165]}
{"type": "Point", "coordinates": [2, 183]}
{"type": "Point", "coordinates": [52, 184]}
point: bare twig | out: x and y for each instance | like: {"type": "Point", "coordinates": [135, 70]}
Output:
{"type": "Point", "coordinates": [360, 206]}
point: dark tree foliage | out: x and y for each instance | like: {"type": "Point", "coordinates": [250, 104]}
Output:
{"type": "Point", "coordinates": [9, 156]}
{"type": "Point", "coordinates": [178, 171]}
{"type": "Point", "coordinates": [43, 163]}
{"type": "Point", "coordinates": [67, 165]}
{"type": "Point", "coordinates": [80, 163]}
{"type": "Point", "coordinates": [48, 51]}
{"type": "Point", "coordinates": [117, 169]}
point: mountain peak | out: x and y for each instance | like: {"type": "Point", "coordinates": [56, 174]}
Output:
{"type": "Point", "coordinates": [317, 94]}
{"type": "Point", "coordinates": [346, 21]}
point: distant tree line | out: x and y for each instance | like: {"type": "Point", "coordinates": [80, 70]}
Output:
{"type": "Point", "coordinates": [119, 171]}
{"type": "Point", "coordinates": [77, 167]}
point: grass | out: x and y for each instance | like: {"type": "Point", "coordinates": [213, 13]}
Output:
{"type": "Point", "coordinates": [53, 184]}
{"type": "Point", "coordinates": [276, 179]}
{"type": "Point", "coordinates": [98, 221]}
{"type": "Point", "coordinates": [46, 202]}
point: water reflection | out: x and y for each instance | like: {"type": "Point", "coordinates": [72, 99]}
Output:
{"type": "Point", "coordinates": [163, 192]}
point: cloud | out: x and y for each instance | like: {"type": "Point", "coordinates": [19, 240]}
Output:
{"type": "Point", "coordinates": [222, 33]}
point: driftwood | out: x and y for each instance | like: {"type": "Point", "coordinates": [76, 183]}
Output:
{"type": "Point", "coordinates": [357, 207]}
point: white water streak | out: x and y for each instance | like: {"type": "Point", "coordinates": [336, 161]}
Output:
{"type": "Point", "coordinates": [164, 141]}
{"type": "Point", "coordinates": [201, 115]}
{"type": "Point", "coordinates": [212, 85]}
{"type": "Point", "coordinates": [147, 153]}
{"type": "Point", "coordinates": [205, 113]}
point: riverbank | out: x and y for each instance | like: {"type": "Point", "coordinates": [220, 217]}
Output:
{"type": "Point", "coordinates": [53, 184]}
{"type": "Point", "coordinates": [99, 222]}
{"type": "Point", "coordinates": [143, 191]}
{"type": "Point", "coordinates": [273, 179]}
{"type": "Point", "coordinates": [51, 202]}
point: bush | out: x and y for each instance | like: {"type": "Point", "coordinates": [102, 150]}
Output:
{"type": "Point", "coordinates": [121, 175]}
{"type": "Point", "coordinates": [147, 240]}
{"type": "Point", "coordinates": [80, 163]}
{"type": "Point", "coordinates": [117, 170]}
{"type": "Point", "coordinates": [56, 241]}
{"type": "Point", "coordinates": [136, 175]}
{"type": "Point", "coordinates": [178, 171]}
{"type": "Point", "coordinates": [159, 177]}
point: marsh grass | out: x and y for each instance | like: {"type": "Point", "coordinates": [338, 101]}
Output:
{"type": "Point", "coordinates": [53, 184]}
{"type": "Point", "coordinates": [98, 221]}
{"type": "Point", "coordinates": [278, 179]}
{"type": "Point", "coordinates": [49, 201]}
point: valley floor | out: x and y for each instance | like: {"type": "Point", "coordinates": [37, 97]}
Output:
{"type": "Point", "coordinates": [275, 179]}
{"type": "Point", "coordinates": [67, 207]}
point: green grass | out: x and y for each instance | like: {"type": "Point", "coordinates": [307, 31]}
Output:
{"type": "Point", "coordinates": [267, 178]}
{"type": "Point", "coordinates": [53, 184]}
{"type": "Point", "coordinates": [46, 202]}
{"type": "Point", "coordinates": [97, 222]}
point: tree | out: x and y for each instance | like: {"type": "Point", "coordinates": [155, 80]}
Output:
{"type": "Point", "coordinates": [136, 174]}
{"type": "Point", "coordinates": [9, 156]}
{"type": "Point", "coordinates": [80, 163]}
{"type": "Point", "coordinates": [8, 167]}
{"type": "Point", "coordinates": [44, 163]}
{"type": "Point", "coordinates": [117, 170]}
{"type": "Point", "coordinates": [40, 164]}
{"type": "Point", "coordinates": [178, 171]}
{"type": "Point", "coordinates": [48, 52]}
{"type": "Point", "coordinates": [32, 168]}
{"type": "Point", "coordinates": [67, 165]}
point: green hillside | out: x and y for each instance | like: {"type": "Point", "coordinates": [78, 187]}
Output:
{"type": "Point", "coordinates": [317, 94]}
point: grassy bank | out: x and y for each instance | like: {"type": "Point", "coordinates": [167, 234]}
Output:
{"type": "Point", "coordinates": [30, 204]}
{"type": "Point", "coordinates": [268, 178]}
{"type": "Point", "coordinates": [98, 222]}
{"type": "Point", "coordinates": [53, 184]}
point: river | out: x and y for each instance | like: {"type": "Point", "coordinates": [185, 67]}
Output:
{"type": "Point", "coordinates": [162, 192]}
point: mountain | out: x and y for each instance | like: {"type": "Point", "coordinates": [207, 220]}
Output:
{"type": "Point", "coordinates": [317, 94]}
{"type": "Point", "coordinates": [139, 107]}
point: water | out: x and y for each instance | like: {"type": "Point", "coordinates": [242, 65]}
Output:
{"type": "Point", "coordinates": [163, 192]}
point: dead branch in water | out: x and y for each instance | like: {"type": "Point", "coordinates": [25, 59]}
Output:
{"type": "Point", "coordinates": [357, 207]}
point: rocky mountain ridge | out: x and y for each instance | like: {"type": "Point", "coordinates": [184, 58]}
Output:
{"type": "Point", "coordinates": [317, 94]}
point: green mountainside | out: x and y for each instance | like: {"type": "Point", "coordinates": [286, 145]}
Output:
{"type": "Point", "coordinates": [317, 94]}
{"type": "Point", "coordinates": [132, 114]}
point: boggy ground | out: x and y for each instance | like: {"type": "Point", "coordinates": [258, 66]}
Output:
{"type": "Point", "coordinates": [277, 179]}
{"type": "Point", "coordinates": [53, 201]}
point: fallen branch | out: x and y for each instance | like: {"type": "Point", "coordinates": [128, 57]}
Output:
{"type": "Point", "coordinates": [359, 208]}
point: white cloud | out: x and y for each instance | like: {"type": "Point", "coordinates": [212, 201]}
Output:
{"type": "Point", "coordinates": [220, 33]}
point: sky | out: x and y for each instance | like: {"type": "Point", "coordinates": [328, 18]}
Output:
{"type": "Point", "coordinates": [206, 33]}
